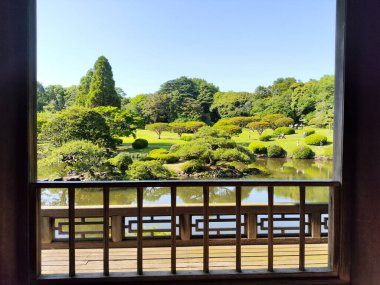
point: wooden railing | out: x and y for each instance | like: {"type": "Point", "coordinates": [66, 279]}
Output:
{"type": "Point", "coordinates": [248, 221]}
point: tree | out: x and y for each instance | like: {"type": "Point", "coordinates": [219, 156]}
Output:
{"type": "Point", "coordinates": [230, 129]}
{"type": "Point", "coordinates": [102, 88]}
{"type": "Point", "coordinates": [178, 128]}
{"type": "Point", "coordinates": [205, 97]}
{"type": "Point", "coordinates": [158, 128]}
{"type": "Point", "coordinates": [185, 87]}
{"type": "Point", "coordinates": [232, 104]}
{"type": "Point", "coordinates": [136, 106]}
{"type": "Point", "coordinates": [41, 97]}
{"type": "Point", "coordinates": [77, 123]}
{"type": "Point", "coordinates": [52, 98]}
{"type": "Point", "coordinates": [70, 95]}
{"type": "Point", "coordinates": [120, 122]}
{"type": "Point", "coordinates": [156, 108]}
{"type": "Point", "coordinates": [84, 88]}
{"type": "Point", "coordinates": [260, 127]}
{"type": "Point", "coordinates": [76, 157]}
{"type": "Point", "coordinates": [272, 119]}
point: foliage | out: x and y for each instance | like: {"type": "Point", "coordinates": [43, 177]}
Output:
{"type": "Point", "coordinates": [102, 88]}
{"type": "Point", "coordinates": [156, 108]}
{"type": "Point", "coordinates": [303, 152]}
{"type": "Point", "coordinates": [232, 130]}
{"type": "Point", "coordinates": [239, 121]}
{"type": "Point", "coordinates": [77, 124]}
{"type": "Point", "coordinates": [275, 151]}
{"type": "Point", "coordinates": [158, 128]}
{"type": "Point", "coordinates": [186, 138]}
{"type": "Point", "coordinates": [76, 157]}
{"type": "Point", "coordinates": [163, 155]}
{"type": "Point", "coordinates": [121, 161]}
{"type": "Point", "coordinates": [260, 127]}
{"type": "Point", "coordinates": [230, 154]}
{"type": "Point", "coordinates": [309, 132]}
{"type": "Point", "coordinates": [147, 170]}
{"type": "Point", "coordinates": [265, 137]}
{"type": "Point", "coordinates": [316, 139]}
{"type": "Point", "coordinates": [185, 127]}
{"type": "Point", "coordinates": [120, 122]}
{"type": "Point", "coordinates": [258, 148]}
{"type": "Point", "coordinates": [140, 143]}
{"type": "Point", "coordinates": [232, 104]}
{"type": "Point", "coordinates": [283, 122]}
{"type": "Point", "coordinates": [194, 166]}
{"type": "Point", "coordinates": [284, 130]}
{"type": "Point", "coordinates": [277, 120]}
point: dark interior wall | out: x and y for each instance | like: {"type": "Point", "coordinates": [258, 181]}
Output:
{"type": "Point", "coordinates": [361, 172]}
{"type": "Point", "coordinates": [362, 137]}
{"type": "Point", "coordinates": [13, 143]}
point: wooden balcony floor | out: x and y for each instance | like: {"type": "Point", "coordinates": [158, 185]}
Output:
{"type": "Point", "coordinates": [188, 258]}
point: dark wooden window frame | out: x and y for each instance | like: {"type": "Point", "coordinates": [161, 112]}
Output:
{"type": "Point", "coordinates": [342, 276]}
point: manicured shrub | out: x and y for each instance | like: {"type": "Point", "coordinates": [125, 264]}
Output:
{"type": "Point", "coordinates": [174, 147]}
{"type": "Point", "coordinates": [303, 152]}
{"type": "Point", "coordinates": [230, 154]}
{"type": "Point", "coordinates": [163, 156]}
{"type": "Point", "coordinates": [309, 132]}
{"type": "Point", "coordinates": [147, 170]}
{"type": "Point", "coordinates": [284, 130]}
{"type": "Point", "coordinates": [140, 143]}
{"type": "Point", "coordinates": [258, 148]}
{"type": "Point", "coordinates": [275, 151]}
{"type": "Point", "coordinates": [186, 138]}
{"type": "Point", "coordinates": [265, 137]}
{"type": "Point", "coordinates": [230, 129]}
{"type": "Point", "coordinates": [194, 166]}
{"type": "Point", "coordinates": [316, 139]}
{"type": "Point", "coordinates": [121, 161]}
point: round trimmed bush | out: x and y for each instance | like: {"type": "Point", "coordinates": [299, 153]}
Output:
{"type": "Point", "coordinates": [194, 166]}
{"type": "Point", "coordinates": [230, 154]}
{"type": "Point", "coordinates": [174, 147]}
{"type": "Point", "coordinates": [309, 132]}
{"type": "Point", "coordinates": [140, 143]}
{"type": "Point", "coordinates": [121, 161]}
{"type": "Point", "coordinates": [265, 137]}
{"type": "Point", "coordinates": [258, 148]}
{"type": "Point", "coordinates": [275, 151]}
{"type": "Point", "coordinates": [284, 130]}
{"type": "Point", "coordinates": [316, 139]}
{"type": "Point", "coordinates": [303, 152]}
{"type": "Point", "coordinates": [163, 155]}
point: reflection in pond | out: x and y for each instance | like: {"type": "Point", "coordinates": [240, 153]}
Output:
{"type": "Point", "coordinates": [284, 169]}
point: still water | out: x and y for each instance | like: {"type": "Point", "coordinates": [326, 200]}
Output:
{"type": "Point", "coordinates": [280, 169]}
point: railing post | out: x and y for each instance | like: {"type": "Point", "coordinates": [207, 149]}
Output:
{"type": "Point", "coordinates": [47, 230]}
{"type": "Point", "coordinates": [251, 224]}
{"type": "Point", "coordinates": [315, 221]}
{"type": "Point", "coordinates": [117, 228]}
{"type": "Point", "coordinates": [185, 226]}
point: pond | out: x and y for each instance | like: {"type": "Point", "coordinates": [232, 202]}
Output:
{"type": "Point", "coordinates": [281, 169]}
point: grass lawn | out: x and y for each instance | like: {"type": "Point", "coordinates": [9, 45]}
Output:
{"type": "Point", "coordinates": [169, 138]}
{"type": "Point", "coordinates": [290, 143]}
{"type": "Point", "coordinates": [166, 141]}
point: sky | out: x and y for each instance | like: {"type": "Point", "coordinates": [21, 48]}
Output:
{"type": "Point", "coordinates": [235, 44]}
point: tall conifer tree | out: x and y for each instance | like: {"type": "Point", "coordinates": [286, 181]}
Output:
{"type": "Point", "coordinates": [102, 88]}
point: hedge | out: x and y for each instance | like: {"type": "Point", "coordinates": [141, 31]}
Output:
{"type": "Point", "coordinates": [316, 139]}
{"type": "Point", "coordinates": [275, 151]}
{"type": "Point", "coordinates": [303, 152]}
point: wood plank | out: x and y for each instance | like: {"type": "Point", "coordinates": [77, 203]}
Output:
{"type": "Point", "coordinates": [188, 259]}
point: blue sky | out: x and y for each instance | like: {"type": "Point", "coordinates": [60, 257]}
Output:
{"type": "Point", "coordinates": [235, 44]}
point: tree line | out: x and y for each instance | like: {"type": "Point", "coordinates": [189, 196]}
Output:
{"type": "Point", "coordinates": [193, 99]}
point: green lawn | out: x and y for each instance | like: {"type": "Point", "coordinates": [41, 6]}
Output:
{"type": "Point", "coordinates": [169, 138]}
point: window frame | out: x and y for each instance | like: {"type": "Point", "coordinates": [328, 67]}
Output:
{"type": "Point", "coordinates": [341, 276]}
